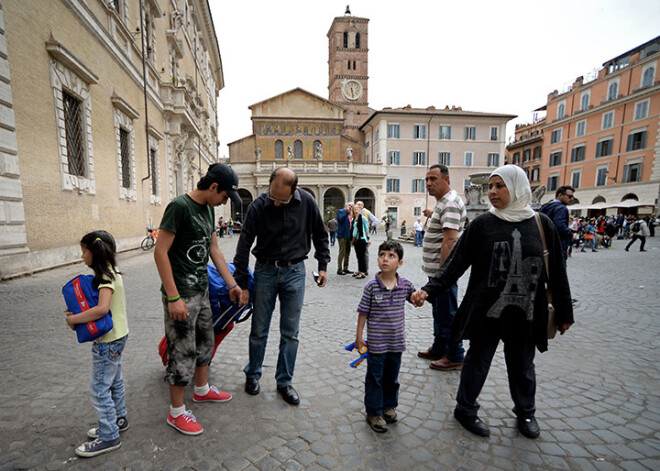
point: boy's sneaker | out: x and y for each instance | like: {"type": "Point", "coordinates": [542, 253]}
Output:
{"type": "Point", "coordinates": [97, 447]}
{"type": "Point", "coordinates": [185, 423]}
{"type": "Point", "coordinates": [212, 396]}
{"type": "Point", "coordinates": [122, 423]}
{"type": "Point", "coordinates": [377, 423]}
{"type": "Point", "coordinates": [390, 416]}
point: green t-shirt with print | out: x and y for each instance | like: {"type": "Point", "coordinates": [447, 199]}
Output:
{"type": "Point", "coordinates": [192, 224]}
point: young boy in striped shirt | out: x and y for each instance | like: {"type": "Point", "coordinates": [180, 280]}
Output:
{"type": "Point", "coordinates": [382, 309]}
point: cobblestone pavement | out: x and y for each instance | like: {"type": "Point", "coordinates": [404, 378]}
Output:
{"type": "Point", "coordinates": [598, 386]}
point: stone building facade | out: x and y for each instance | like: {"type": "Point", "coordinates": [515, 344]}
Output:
{"type": "Point", "coordinates": [603, 135]}
{"type": "Point", "coordinates": [526, 150]}
{"type": "Point", "coordinates": [79, 149]}
{"type": "Point", "coordinates": [407, 141]}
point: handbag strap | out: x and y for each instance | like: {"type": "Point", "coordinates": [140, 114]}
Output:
{"type": "Point", "coordinates": [546, 254]}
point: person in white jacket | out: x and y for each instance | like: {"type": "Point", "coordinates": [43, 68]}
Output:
{"type": "Point", "coordinates": [641, 233]}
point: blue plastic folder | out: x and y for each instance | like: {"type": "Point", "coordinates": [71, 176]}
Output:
{"type": "Point", "coordinates": [79, 296]}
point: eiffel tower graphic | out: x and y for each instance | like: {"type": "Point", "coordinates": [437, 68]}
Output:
{"type": "Point", "coordinates": [521, 282]}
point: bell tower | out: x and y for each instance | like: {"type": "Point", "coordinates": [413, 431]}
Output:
{"type": "Point", "coordinates": [348, 61]}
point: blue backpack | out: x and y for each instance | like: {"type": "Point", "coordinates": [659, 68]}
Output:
{"type": "Point", "coordinates": [223, 311]}
{"type": "Point", "coordinates": [80, 295]}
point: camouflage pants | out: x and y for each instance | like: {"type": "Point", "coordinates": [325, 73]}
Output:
{"type": "Point", "coordinates": [190, 342]}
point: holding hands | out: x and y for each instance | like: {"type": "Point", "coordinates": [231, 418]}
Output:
{"type": "Point", "coordinates": [418, 297]}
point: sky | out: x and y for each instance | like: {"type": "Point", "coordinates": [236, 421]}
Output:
{"type": "Point", "coordinates": [490, 56]}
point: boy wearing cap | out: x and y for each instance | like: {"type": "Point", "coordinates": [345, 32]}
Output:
{"type": "Point", "coordinates": [186, 239]}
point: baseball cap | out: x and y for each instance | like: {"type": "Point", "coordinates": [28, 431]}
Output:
{"type": "Point", "coordinates": [226, 179]}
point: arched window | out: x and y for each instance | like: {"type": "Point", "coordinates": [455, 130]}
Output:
{"type": "Point", "coordinates": [357, 40]}
{"type": "Point", "coordinates": [279, 149]}
{"type": "Point", "coordinates": [647, 80]}
{"type": "Point", "coordinates": [345, 39]}
{"type": "Point", "coordinates": [613, 91]}
{"type": "Point", "coordinates": [561, 110]}
{"type": "Point", "coordinates": [297, 150]}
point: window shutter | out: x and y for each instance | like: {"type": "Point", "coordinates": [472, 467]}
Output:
{"type": "Point", "coordinates": [643, 140]}
{"type": "Point", "coordinates": [629, 145]}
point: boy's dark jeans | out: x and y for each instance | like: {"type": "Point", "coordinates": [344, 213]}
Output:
{"type": "Point", "coordinates": [381, 386]}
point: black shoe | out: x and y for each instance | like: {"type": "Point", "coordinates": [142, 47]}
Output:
{"type": "Point", "coordinates": [252, 386]}
{"type": "Point", "coordinates": [626, 249]}
{"type": "Point", "coordinates": [473, 424]}
{"type": "Point", "coordinates": [594, 250]}
{"type": "Point", "coordinates": [340, 272]}
{"type": "Point", "coordinates": [348, 272]}
{"type": "Point", "coordinates": [642, 250]}
{"type": "Point", "coordinates": [289, 395]}
{"type": "Point", "coordinates": [529, 427]}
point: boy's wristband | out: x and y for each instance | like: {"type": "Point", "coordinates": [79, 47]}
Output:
{"type": "Point", "coordinates": [174, 299]}
{"type": "Point", "coordinates": [232, 287]}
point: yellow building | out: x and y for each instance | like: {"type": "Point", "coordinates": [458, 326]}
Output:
{"type": "Point", "coordinates": [85, 144]}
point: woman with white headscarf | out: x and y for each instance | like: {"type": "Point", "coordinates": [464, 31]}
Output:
{"type": "Point", "coordinates": [505, 298]}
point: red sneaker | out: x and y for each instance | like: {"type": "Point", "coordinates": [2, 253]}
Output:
{"type": "Point", "coordinates": [213, 396]}
{"type": "Point", "coordinates": [185, 423]}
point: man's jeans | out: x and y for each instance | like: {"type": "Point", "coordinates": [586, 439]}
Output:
{"type": "Point", "coordinates": [444, 312]}
{"type": "Point", "coordinates": [333, 237]}
{"type": "Point", "coordinates": [107, 387]}
{"type": "Point", "coordinates": [270, 283]}
{"type": "Point", "coordinates": [381, 385]}
{"type": "Point", "coordinates": [419, 238]}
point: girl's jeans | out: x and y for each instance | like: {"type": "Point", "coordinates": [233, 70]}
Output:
{"type": "Point", "coordinates": [107, 387]}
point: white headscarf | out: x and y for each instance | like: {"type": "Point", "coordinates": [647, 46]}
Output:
{"type": "Point", "coordinates": [521, 194]}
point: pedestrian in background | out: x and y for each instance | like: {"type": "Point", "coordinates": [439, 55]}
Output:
{"type": "Point", "coordinates": [557, 211]}
{"type": "Point", "coordinates": [344, 238]}
{"type": "Point", "coordinates": [419, 232]}
{"type": "Point", "coordinates": [382, 309]}
{"type": "Point", "coordinates": [590, 236]}
{"type": "Point", "coordinates": [186, 240]}
{"type": "Point", "coordinates": [107, 385]}
{"type": "Point", "coordinates": [332, 229]}
{"type": "Point", "coordinates": [640, 230]}
{"type": "Point", "coordinates": [361, 241]}
{"type": "Point", "coordinates": [505, 298]}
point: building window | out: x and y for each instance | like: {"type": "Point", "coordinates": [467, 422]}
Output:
{"type": "Point", "coordinates": [613, 90]}
{"type": "Point", "coordinates": [393, 185]}
{"type": "Point", "coordinates": [445, 132]}
{"type": "Point", "coordinates": [444, 158]}
{"type": "Point", "coordinates": [73, 125]}
{"type": "Point", "coordinates": [581, 128]}
{"type": "Point", "coordinates": [516, 158]}
{"type": "Point", "coordinates": [419, 158]}
{"type": "Point", "coordinates": [552, 182]}
{"type": "Point", "coordinates": [636, 141]}
{"type": "Point", "coordinates": [345, 40]}
{"type": "Point", "coordinates": [561, 110]}
{"type": "Point", "coordinates": [555, 159]}
{"type": "Point", "coordinates": [419, 131]}
{"type": "Point", "coordinates": [125, 152]}
{"type": "Point", "coordinates": [604, 148]}
{"type": "Point", "coordinates": [642, 110]}
{"type": "Point", "coordinates": [493, 133]}
{"type": "Point", "coordinates": [575, 179]}
{"type": "Point", "coordinates": [393, 157]}
{"type": "Point", "coordinates": [608, 120]}
{"type": "Point", "coordinates": [584, 101]}
{"type": "Point", "coordinates": [470, 133]}
{"type": "Point", "coordinates": [417, 211]}
{"type": "Point", "coordinates": [535, 174]}
{"type": "Point", "coordinates": [601, 176]}
{"type": "Point", "coordinates": [279, 149]}
{"type": "Point", "coordinates": [555, 136]}
{"type": "Point", "coordinates": [577, 153]}
{"type": "Point", "coordinates": [526, 155]}
{"type": "Point", "coordinates": [537, 152]}
{"type": "Point", "coordinates": [125, 149]}
{"type": "Point", "coordinates": [357, 40]}
{"type": "Point", "coordinates": [632, 172]}
{"type": "Point", "coordinates": [393, 131]}
{"type": "Point", "coordinates": [648, 76]}
{"type": "Point", "coordinates": [468, 159]}
{"type": "Point", "coordinates": [153, 169]}
{"type": "Point", "coordinates": [377, 135]}
{"type": "Point", "coordinates": [494, 159]}
{"type": "Point", "coordinates": [418, 185]}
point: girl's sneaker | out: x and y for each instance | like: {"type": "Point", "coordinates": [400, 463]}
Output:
{"type": "Point", "coordinates": [97, 447]}
{"type": "Point", "coordinates": [185, 423]}
{"type": "Point", "coordinates": [122, 423]}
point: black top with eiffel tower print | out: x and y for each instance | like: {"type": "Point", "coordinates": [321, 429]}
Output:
{"type": "Point", "coordinates": [506, 290]}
